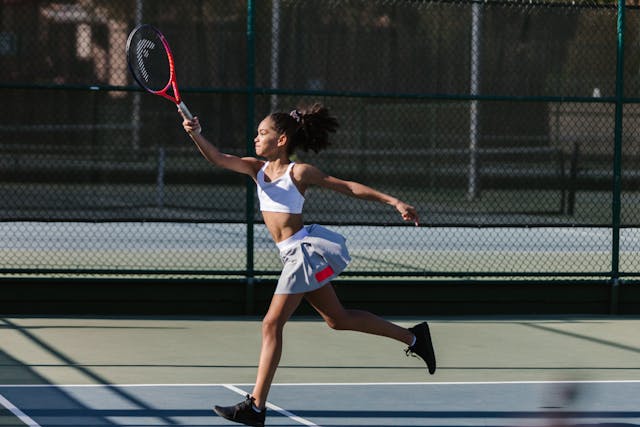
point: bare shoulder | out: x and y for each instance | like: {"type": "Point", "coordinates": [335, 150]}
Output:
{"type": "Point", "coordinates": [307, 174]}
{"type": "Point", "coordinates": [253, 164]}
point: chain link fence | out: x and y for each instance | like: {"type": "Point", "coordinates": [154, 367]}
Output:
{"type": "Point", "coordinates": [510, 125]}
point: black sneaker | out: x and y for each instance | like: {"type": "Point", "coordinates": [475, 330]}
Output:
{"type": "Point", "coordinates": [423, 346]}
{"type": "Point", "coordinates": [242, 413]}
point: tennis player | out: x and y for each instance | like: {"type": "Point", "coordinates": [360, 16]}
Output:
{"type": "Point", "coordinates": [311, 255]}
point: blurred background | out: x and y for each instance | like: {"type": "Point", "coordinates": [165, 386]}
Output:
{"type": "Point", "coordinates": [511, 125]}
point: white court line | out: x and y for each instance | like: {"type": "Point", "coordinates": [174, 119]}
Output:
{"type": "Point", "coordinates": [435, 383]}
{"type": "Point", "coordinates": [18, 413]}
{"type": "Point", "coordinates": [283, 411]}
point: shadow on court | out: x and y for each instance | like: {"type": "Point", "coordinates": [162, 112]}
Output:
{"type": "Point", "coordinates": [16, 401]}
{"type": "Point", "coordinates": [493, 405]}
{"type": "Point", "coordinates": [36, 396]}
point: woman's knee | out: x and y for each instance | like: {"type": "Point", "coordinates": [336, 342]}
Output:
{"type": "Point", "coordinates": [339, 322]}
{"type": "Point", "coordinates": [272, 325]}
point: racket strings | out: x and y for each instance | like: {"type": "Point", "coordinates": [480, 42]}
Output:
{"type": "Point", "coordinates": [149, 60]}
{"type": "Point", "coordinates": [142, 52]}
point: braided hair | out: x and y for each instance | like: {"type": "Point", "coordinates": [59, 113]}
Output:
{"type": "Point", "coordinates": [306, 127]}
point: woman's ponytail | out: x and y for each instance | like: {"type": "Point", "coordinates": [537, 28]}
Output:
{"type": "Point", "coordinates": [307, 128]}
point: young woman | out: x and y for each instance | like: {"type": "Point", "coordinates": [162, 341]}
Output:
{"type": "Point", "coordinates": [312, 256]}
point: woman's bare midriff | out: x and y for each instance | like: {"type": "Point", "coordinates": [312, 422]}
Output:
{"type": "Point", "coordinates": [282, 225]}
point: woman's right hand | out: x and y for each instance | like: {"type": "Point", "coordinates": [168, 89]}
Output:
{"type": "Point", "coordinates": [191, 126]}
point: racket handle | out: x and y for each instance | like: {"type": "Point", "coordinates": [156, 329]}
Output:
{"type": "Point", "coordinates": [185, 110]}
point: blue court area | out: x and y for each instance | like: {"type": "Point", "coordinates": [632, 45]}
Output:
{"type": "Point", "coordinates": [597, 404]}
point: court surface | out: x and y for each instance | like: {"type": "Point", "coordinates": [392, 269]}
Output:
{"type": "Point", "coordinates": [170, 371]}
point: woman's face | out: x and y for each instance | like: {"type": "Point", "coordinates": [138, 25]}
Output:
{"type": "Point", "coordinates": [268, 141]}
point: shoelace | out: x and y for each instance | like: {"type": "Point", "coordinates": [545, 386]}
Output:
{"type": "Point", "coordinates": [246, 404]}
{"type": "Point", "coordinates": [408, 352]}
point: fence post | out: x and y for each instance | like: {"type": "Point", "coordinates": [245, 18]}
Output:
{"type": "Point", "coordinates": [573, 179]}
{"type": "Point", "coordinates": [617, 161]}
{"type": "Point", "coordinates": [474, 79]}
{"type": "Point", "coordinates": [160, 177]}
{"type": "Point", "coordinates": [251, 81]}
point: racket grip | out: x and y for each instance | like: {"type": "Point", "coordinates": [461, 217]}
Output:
{"type": "Point", "coordinates": [185, 110]}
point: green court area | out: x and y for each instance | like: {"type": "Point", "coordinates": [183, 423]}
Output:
{"type": "Point", "coordinates": [122, 350]}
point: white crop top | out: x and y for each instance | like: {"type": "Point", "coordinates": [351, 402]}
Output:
{"type": "Point", "coordinates": [280, 195]}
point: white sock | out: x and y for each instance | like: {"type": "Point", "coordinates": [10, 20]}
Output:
{"type": "Point", "coordinates": [413, 342]}
{"type": "Point", "coordinates": [255, 408]}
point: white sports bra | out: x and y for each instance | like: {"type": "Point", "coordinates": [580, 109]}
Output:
{"type": "Point", "coordinates": [280, 195]}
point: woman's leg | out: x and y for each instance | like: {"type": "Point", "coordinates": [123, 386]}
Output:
{"type": "Point", "coordinates": [326, 302]}
{"type": "Point", "coordinates": [281, 308]}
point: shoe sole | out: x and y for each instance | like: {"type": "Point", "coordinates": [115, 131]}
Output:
{"type": "Point", "coordinates": [215, 409]}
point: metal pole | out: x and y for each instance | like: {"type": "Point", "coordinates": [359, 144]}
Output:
{"type": "Point", "coordinates": [160, 178]}
{"type": "Point", "coordinates": [135, 110]}
{"type": "Point", "coordinates": [474, 80]}
{"type": "Point", "coordinates": [251, 94]}
{"type": "Point", "coordinates": [617, 162]}
{"type": "Point", "coordinates": [275, 51]}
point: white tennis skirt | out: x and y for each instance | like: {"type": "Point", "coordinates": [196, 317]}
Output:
{"type": "Point", "coordinates": [312, 257]}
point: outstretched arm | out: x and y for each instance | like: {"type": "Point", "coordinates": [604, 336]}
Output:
{"type": "Point", "coordinates": [245, 165]}
{"type": "Point", "coordinates": [310, 175]}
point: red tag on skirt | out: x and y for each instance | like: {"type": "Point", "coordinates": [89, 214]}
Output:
{"type": "Point", "coordinates": [324, 273]}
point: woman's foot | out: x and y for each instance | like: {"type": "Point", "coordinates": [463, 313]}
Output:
{"type": "Point", "coordinates": [243, 413]}
{"type": "Point", "coordinates": [423, 346]}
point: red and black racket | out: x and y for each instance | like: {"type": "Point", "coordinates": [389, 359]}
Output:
{"type": "Point", "coordinates": [151, 63]}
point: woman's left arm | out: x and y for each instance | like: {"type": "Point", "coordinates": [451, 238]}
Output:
{"type": "Point", "coordinates": [311, 175]}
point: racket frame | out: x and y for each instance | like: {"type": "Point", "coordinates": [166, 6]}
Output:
{"type": "Point", "coordinates": [172, 83]}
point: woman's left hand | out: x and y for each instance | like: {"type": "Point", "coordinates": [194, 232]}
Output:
{"type": "Point", "coordinates": [408, 212]}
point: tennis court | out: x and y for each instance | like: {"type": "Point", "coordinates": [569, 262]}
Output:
{"type": "Point", "coordinates": [512, 126]}
{"type": "Point", "coordinates": [526, 371]}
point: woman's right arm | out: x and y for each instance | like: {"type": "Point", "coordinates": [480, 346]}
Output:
{"type": "Point", "coordinates": [246, 165]}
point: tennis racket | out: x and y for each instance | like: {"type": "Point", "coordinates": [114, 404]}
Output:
{"type": "Point", "coordinates": [152, 66]}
